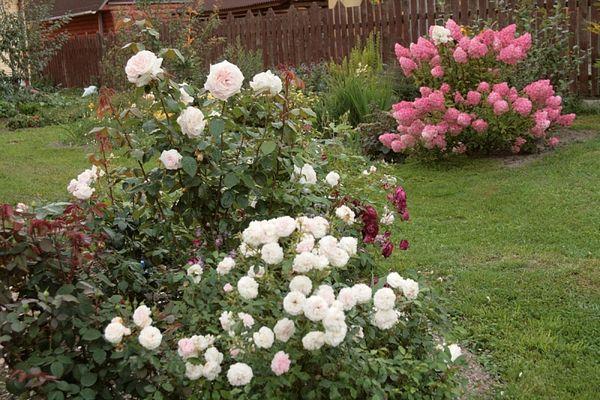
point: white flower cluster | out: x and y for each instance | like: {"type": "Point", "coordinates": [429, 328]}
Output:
{"type": "Point", "coordinates": [194, 271]}
{"type": "Point", "coordinates": [266, 83]}
{"type": "Point", "coordinates": [149, 336]}
{"type": "Point", "coordinates": [192, 348]}
{"type": "Point", "coordinates": [81, 187]}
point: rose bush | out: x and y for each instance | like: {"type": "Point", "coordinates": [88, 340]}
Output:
{"type": "Point", "coordinates": [274, 319]}
{"type": "Point", "coordinates": [465, 103]}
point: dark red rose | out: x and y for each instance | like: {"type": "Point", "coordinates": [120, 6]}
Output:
{"type": "Point", "coordinates": [404, 244]}
{"type": "Point", "coordinates": [387, 249]}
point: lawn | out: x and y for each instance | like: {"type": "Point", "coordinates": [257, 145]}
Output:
{"type": "Point", "coordinates": [517, 243]}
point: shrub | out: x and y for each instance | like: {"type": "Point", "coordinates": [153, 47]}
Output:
{"type": "Point", "coordinates": [21, 121]}
{"type": "Point", "coordinates": [250, 62]}
{"type": "Point", "coordinates": [466, 104]}
{"type": "Point", "coordinates": [276, 321]}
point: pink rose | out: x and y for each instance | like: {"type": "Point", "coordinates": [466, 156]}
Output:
{"type": "Point", "coordinates": [186, 348]}
{"type": "Point", "coordinates": [227, 288]}
{"type": "Point", "coordinates": [171, 159]}
{"type": "Point", "coordinates": [281, 363]}
{"type": "Point", "coordinates": [224, 80]}
{"type": "Point", "coordinates": [143, 67]}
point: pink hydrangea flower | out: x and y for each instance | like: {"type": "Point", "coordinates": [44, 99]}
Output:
{"type": "Point", "coordinates": [454, 29]}
{"type": "Point", "coordinates": [460, 56]}
{"type": "Point", "coordinates": [500, 107]}
{"type": "Point", "coordinates": [494, 97]}
{"type": "Point", "coordinates": [477, 49]}
{"type": "Point", "coordinates": [487, 37]}
{"type": "Point", "coordinates": [522, 106]}
{"type": "Point", "coordinates": [566, 120]}
{"type": "Point", "coordinates": [553, 142]}
{"type": "Point", "coordinates": [483, 87]}
{"type": "Point", "coordinates": [401, 51]}
{"type": "Point", "coordinates": [458, 98]}
{"type": "Point", "coordinates": [554, 101]}
{"type": "Point", "coordinates": [464, 119]}
{"type": "Point", "coordinates": [407, 65]}
{"type": "Point", "coordinates": [445, 88]}
{"type": "Point", "coordinates": [387, 138]}
{"type": "Point", "coordinates": [511, 54]}
{"type": "Point", "coordinates": [473, 98]}
{"type": "Point", "coordinates": [501, 88]}
{"type": "Point", "coordinates": [281, 363]}
{"type": "Point", "coordinates": [479, 125]}
{"type": "Point", "coordinates": [425, 91]}
{"type": "Point", "coordinates": [539, 91]}
{"type": "Point", "coordinates": [437, 72]}
{"type": "Point", "coordinates": [451, 115]}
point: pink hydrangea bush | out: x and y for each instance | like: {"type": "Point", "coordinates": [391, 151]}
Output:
{"type": "Point", "coordinates": [465, 104]}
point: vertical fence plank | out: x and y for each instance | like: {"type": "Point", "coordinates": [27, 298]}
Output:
{"type": "Point", "coordinates": [584, 44]}
{"type": "Point", "coordinates": [595, 44]}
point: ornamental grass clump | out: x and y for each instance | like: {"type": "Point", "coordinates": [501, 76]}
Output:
{"type": "Point", "coordinates": [465, 103]}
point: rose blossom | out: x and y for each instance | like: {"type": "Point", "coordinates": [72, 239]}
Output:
{"type": "Point", "coordinates": [143, 67]}
{"type": "Point", "coordinates": [267, 83]}
{"type": "Point", "coordinates": [186, 348]}
{"type": "Point", "coordinates": [284, 329]}
{"type": "Point", "coordinates": [192, 122]}
{"type": "Point", "coordinates": [332, 178]}
{"type": "Point", "coordinates": [224, 80]}
{"type": "Point", "coordinates": [171, 159]}
{"type": "Point", "coordinates": [239, 374]}
{"type": "Point", "coordinates": [141, 316]}
{"type": "Point", "coordinates": [150, 338]}
{"type": "Point", "coordinates": [280, 363]}
{"type": "Point", "coordinates": [264, 338]}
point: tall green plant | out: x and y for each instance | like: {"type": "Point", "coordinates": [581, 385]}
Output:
{"type": "Point", "coordinates": [358, 85]}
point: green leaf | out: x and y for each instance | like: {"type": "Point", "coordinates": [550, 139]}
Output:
{"type": "Point", "coordinates": [231, 180]}
{"type": "Point", "coordinates": [216, 127]}
{"type": "Point", "coordinates": [99, 356]}
{"type": "Point", "coordinates": [91, 334]}
{"type": "Point", "coordinates": [189, 165]}
{"type": "Point", "coordinates": [88, 394]}
{"type": "Point", "coordinates": [57, 369]}
{"type": "Point", "coordinates": [88, 379]}
{"type": "Point", "coordinates": [267, 147]}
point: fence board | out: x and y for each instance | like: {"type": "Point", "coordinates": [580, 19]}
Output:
{"type": "Point", "coordinates": [314, 34]}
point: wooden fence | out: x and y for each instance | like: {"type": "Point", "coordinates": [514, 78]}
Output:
{"type": "Point", "coordinates": [315, 34]}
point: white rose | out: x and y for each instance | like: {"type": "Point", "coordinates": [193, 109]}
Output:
{"type": "Point", "coordinates": [171, 159]}
{"type": "Point", "coordinates": [385, 319]}
{"type": "Point", "coordinates": [347, 298]}
{"type": "Point", "coordinates": [264, 338]}
{"type": "Point", "coordinates": [247, 319]}
{"type": "Point", "coordinates": [247, 287]}
{"type": "Point", "coordinates": [317, 226]}
{"type": "Point", "coordinates": [410, 289]}
{"type": "Point", "coordinates": [455, 351]}
{"type": "Point", "coordinates": [192, 371]}
{"type": "Point", "coordinates": [345, 214]}
{"type": "Point", "coordinates": [326, 293]}
{"type": "Point", "coordinates": [267, 83]}
{"type": "Point", "coordinates": [239, 374]}
{"type": "Point", "coordinates": [313, 340]}
{"type": "Point", "coordinates": [304, 262]}
{"type": "Point", "coordinates": [394, 280]}
{"type": "Point", "coordinates": [293, 303]}
{"type": "Point", "coordinates": [203, 342]}
{"type": "Point", "coordinates": [141, 316]}
{"type": "Point", "coordinates": [384, 299]}
{"type": "Point", "coordinates": [284, 329]}
{"type": "Point", "coordinates": [225, 266]}
{"type": "Point", "coordinates": [332, 179]}
{"type": "Point", "coordinates": [305, 175]}
{"type": "Point", "coordinates": [349, 245]}
{"type": "Point", "coordinates": [213, 355]}
{"type": "Point", "coordinates": [253, 272]}
{"type": "Point", "coordinates": [114, 332]}
{"type": "Point", "coordinates": [195, 272]}
{"type": "Point", "coordinates": [315, 308]}
{"type": "Point", "coordinates": [226, 320]}
{"type": "Point", "coordinates": [271, 253]}
{"type": "Point", "coordinates": [211, 370]}
{"type": "Point", "coordinates": [334, 320]}
{"type": "Point", "coordinates": [224, 80]}
{"type": "Point", "coordinates": [284, 226]}
{"type": "Point", "coordinates": [362, 293]}
{"type": "Point", "coordinates": [335, 338]}
{"type": "Point", "coordinates": [306, 244]}
{"type": "Point", "coordinates": [143, 67]}
{"type": "Point", "coordinates": [301, 284]}
{"type": "Point", "coordinates": [192, 122]}
{"type": "Point", "coordinates": [150, 338]}
{"type": "Point", "coordinates": [439, 34]}
{"type": "Point", "coordinates": [185, 97]}
{"type": "Point", "coordinates": [83, 191]}
{"type": "Point", "coordinates": [387, 219]}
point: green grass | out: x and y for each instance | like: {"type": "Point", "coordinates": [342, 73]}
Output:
{"type": "Point", "coordinates": [36, 165]}
{"type": "Point", "coordinates": [518, 247]}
